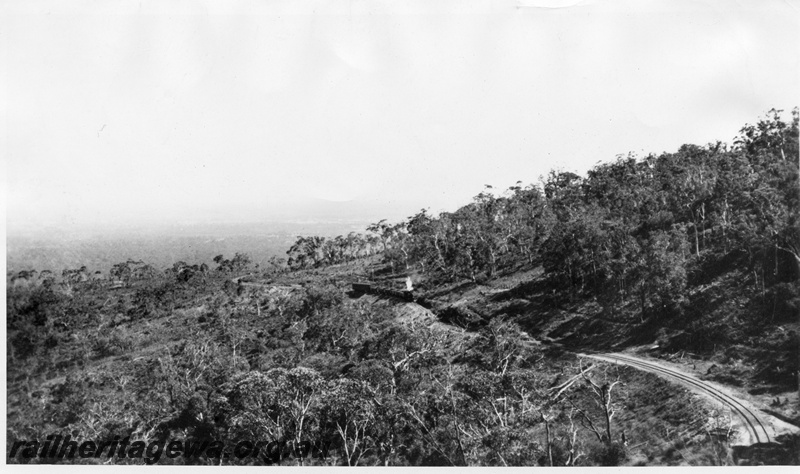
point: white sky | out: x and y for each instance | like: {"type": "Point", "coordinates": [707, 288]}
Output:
{"type": "Point", "coordinates": [162, 111]}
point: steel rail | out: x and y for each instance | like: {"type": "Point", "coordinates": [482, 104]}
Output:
{"type": "Point", "coordinates": [744, 412]}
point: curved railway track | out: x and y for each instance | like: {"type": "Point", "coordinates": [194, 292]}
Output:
{"type": "Point", "coordinates": [752, 422]}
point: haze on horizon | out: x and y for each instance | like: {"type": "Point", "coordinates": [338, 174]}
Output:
{"type": "Point", "coordinates": [153, 113]}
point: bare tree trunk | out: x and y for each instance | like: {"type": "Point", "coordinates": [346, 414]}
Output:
{"type": "Point", "coordinates": [549, 439]}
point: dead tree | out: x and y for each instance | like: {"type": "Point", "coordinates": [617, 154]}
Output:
{"type": "Point", "coordinates": [601, 395]}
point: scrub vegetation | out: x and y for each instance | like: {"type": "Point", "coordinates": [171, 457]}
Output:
{"type": "Point", "coordinates": [692, 256]}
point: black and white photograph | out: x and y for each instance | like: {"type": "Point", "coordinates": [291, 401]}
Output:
{"type": "Point", "coordinates": [422, 233]}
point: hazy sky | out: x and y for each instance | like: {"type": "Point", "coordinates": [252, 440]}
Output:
{"type": "Point", "coordinates": [163, 111]}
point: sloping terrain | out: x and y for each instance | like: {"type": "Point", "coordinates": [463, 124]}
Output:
{"type": "Point", "coordinates": [685, 260]}
{"type": "Point", "coordinates": [749, 424]}
{"type": "Point", "coordinates": [138, 357]}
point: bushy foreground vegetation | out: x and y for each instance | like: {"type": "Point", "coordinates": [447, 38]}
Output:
{"type": "Point", "coordinates": [294, 365]}
{"type": "Point", "coordinates": [219, 350]}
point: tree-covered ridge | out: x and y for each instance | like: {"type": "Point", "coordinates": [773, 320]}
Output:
{"type": "Point", "coordinates": [632, 227]}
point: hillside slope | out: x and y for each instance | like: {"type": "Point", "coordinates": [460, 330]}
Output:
{"type": "Point", "coordinates": [690, 258]}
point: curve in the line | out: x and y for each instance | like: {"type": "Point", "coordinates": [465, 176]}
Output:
{"type": "Point", "coordinates": [752, 422]}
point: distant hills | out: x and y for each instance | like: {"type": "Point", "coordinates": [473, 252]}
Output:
{"type": "Point", "coordinates": [160, 247]}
